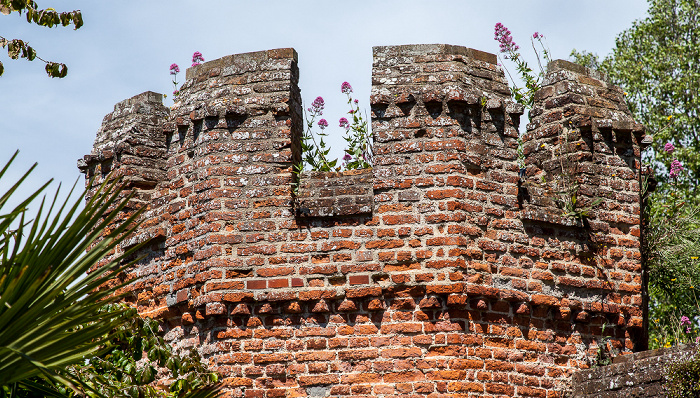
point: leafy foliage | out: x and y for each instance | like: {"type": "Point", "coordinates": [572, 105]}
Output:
{"type": "Point", "coordinates": [359, 154]}
{"type": "Point", "coordinates": [315, 155]}
{"type": "Point", "coordinates": [672, 250]}
{"type": "Point", "coordinates": [49, 309]}
{"type": "Point", "coordinates": [522, 95]}
{"type": "Point", "coordinates": [137, 356]}
{"type": "Point", "coordinates": [17, 48]}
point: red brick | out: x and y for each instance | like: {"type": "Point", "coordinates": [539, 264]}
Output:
{"type": "Point", "coordinates": [256, 284]}
{"type": "Point", "coordinates": [358, 279]}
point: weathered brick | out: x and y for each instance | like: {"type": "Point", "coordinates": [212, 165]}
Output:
{"type": "Point", "coordinates": [440, 271]}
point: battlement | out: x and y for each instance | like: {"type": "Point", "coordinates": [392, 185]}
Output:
{"type": "Point", "coordinates": [448, 268]}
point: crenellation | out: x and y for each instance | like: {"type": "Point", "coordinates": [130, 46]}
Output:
{"type": "Point", "coordinates": [445, 269]}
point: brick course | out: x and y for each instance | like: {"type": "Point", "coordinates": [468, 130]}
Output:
{"type": "Point", "coordinates": [445, 270]}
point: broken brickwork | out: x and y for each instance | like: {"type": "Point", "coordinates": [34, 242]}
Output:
{"type": "Point", "coordinates": [446, 269]}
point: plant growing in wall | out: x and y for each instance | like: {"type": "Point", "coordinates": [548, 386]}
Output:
{"type": "Point", "coordinates": [533, 81]}
{"type": "Point", "coordinates": [315, 154]}
{"type": "Point", "coordinates": [358, 154]}
{"type": "Point", "coordinates": [197, 59]}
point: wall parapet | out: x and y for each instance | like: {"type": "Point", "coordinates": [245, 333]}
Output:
{"type": "Point", "coordinates": [641, 374]}
{"type": "Point", "coordinates": [427, 274]}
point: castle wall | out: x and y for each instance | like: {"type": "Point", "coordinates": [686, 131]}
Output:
{"type": "Point", "coordinates": [445, 269]}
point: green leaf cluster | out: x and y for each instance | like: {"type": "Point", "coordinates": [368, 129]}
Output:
{"type": "Point", "coordinates": [314, 155]}
{"type": "Point", "coordinates": [358, 138]}
{"type": "Point", "coordinates": [672, 251]}
{"type": "Point", "coordinates": [49, 17]}
{"type": "Point", "coordinates": [533, 81]}
{"type": "Point", "coordinates": [138, 356]}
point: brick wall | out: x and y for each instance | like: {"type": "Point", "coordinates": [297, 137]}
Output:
{"type": "Point", "coordinates": [446, 269]}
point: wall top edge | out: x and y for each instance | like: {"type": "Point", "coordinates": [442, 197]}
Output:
{"type": "Point", "coordinates": [251, 57]}
{"type": "Point", "coordinates": [144, 97]}
{"type": "Point", "coordinates": [428, 49]}
{"type": "Point", "coordinates": [560, 64]}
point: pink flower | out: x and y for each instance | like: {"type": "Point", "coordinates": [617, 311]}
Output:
{"type": "Point", "coordinates": [357, 101]}
{"type": "Point", "coordinates": [684, 320]}
{"type": "Point", "coordinates": [323, 123]}
{"type": "Point", "coordinates": [317, 106]}
{"type": "Point", "coordinates": [174, 69]}
{"type": "Point", "coordinates": [197, 58]}
{"type": "Point", "coordinates": [344, 123]}
{"type": "Point", "coordinates": [176, 92]}
{"type": "Point", "coordinates": [503, 37]}
{"type": "Point", "coordinates": [676, 168]}
{"type": "Point", "coordinates": [347, 157]}
{"type": "Point", "coordinates": [346, 88]}
{"type": "Point", "coordinates": [687, 330]}
{"type": "Point", "coordinates": [669, 147]}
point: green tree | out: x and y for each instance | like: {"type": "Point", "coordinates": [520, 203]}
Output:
{"type": "Point", "coordinates": [59, 336]}
{"type": "Point", "coordinates": [17, 48]}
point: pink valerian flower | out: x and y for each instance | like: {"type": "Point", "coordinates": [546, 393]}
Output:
{"type": "Point", "coordinates": [537, 35]}
{"type": "Point", "coordinates": [676, 168]}
{"type": "Point", "coordinates": [176, 92]}
{"type": "Point", "coordinates": [344, 123]}
{"type": "Point", "coordinates": [197, 58]}
{"type": "Point", "coordinates": [669, 148]}
{"type": "Point", "coordinates": [317, 106]}
{"type": "Point", "coordinates": [174, 69]}
{"type": "Point", "coordinates": [323, 123]}
{"type": "Point", "coordinates": [346, 88]}
{"type": "Point", "coordinates": [687, 330]}
{"type": "Point", "coordinates": [357, 101]}
{"type": "Point", "coordinates": [347, 157]}
{"type": "Point", "coordinates": [685, 320]}
{"type": "Point", "coordinates": [503, 37]}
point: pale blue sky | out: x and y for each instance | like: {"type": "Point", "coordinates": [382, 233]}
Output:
{"type": "Point", "coordinates": [126, 47]}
